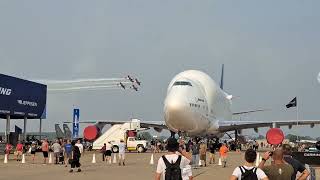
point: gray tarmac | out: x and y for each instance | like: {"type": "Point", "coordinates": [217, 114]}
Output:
{"type": "Point", "coordinates": [137, 166]}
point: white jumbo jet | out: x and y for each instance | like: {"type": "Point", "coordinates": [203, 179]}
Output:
{"type": "Point", "coordinates": [197, 106]}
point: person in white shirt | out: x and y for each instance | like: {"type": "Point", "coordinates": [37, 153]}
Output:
{"type": "Point", "coordinates": [80, 146]}
{"type": "Point", "coordinates": [187, 173]}
{"type": "Point", "coordinates": [108, 152]}
{"type": "Point", "coordinates": [172, 157]}
{"type": "Point", "coordinates": [56, 150]}
{"type": "Point", "coordinates": [122, 150]}
{"type": "Point", "coordinates": [250, 157]}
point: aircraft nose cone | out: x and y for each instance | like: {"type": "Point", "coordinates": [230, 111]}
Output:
{"type": "Point", "coordinates": [177, 114]}
{"type": "Point", "coordinates": [174, 105]}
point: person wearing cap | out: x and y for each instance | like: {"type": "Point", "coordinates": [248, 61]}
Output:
{"type": "Point", "coordinates": [172, 157]}
{"type": "Point", "coordinates": [56, 147]}
{"type": "Point", "coordinates": [297, 166]}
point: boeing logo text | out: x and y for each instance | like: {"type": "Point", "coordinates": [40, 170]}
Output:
{"type": "Point", "coordinates": [5, 91]}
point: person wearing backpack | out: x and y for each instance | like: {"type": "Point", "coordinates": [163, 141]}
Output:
{"type": "Point", "coordinates": [248, 171]}
{"type": "Point", "coordinates": [170, 166]}
{"type": "Point", "coordinates": [76, 154]}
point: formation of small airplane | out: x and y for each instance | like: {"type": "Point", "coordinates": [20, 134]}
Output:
{"type": "Point", "coordinates": [134, 83]}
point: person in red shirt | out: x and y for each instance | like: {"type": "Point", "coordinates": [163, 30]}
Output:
{"type": "Point", "coordinates": [8, 149]}
{"type": "Point", "coordinates": [223, 154]}
{"type": "Point", "coordinates": [19, 150]}
{"type": "Point", "coordinates": [45, 150]}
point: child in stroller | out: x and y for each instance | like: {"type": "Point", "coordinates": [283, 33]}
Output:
{"type": "Point", "coordinates": [61, 157]}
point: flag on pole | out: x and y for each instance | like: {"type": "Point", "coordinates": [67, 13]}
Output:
{"type": "Point", "coordinates": [75, 124]}
{"type": "Point", "coordinates": [292, 103]}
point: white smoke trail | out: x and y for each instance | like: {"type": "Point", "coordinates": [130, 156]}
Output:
{"type": "Point", "coordinates": [83, 88]}
{"type": "Point", "coordinates": [88, 84]}
{"type": "Point", "coordinates": [318, 77]}
{"type": "Point", "coordinates": [81, 80]}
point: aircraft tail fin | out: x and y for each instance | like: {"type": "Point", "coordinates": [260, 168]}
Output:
{"type": "Point", "coordinates": [59, 132]}
{"type": "Point", "coordinates": [67, 131]}
{"type": "Point", "coordinates": [222, 78]}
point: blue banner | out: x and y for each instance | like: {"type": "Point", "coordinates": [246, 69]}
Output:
{"type": "Point", "coordinates": [75, 123]}
{"type": "Point", "coordinates": [20, 98]}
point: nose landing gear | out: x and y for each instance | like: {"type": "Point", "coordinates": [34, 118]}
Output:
{"type": "Point", "coordinates": [172, 134]}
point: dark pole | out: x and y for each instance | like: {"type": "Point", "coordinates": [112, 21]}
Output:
{"type": "Point", "coordinates": [40, 128]}
{"type": "Point", "coordinates": [8, 129]}
{"type": "Point", "coordinates": [25, 128]}
{"type": "Point", "coordinates": [236, 136]}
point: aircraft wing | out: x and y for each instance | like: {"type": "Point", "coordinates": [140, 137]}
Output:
{"type": "Point", "coordinates": [225, 126]}
{"type": "Point", "coordinates": [144, 124]}
{"type": "Point", "coordinates": [250, 111]}
{"type": "Point", "coordinates": [157, 125]}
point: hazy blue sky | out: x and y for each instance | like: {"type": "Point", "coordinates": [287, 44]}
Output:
{"type": "Point", "coordinates": [270, 50]}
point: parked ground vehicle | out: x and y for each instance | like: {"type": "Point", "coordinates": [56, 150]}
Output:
{"type": "Point", "coordinates": [132, 145]}
{"type": "Point", "coordinates": [127, 132]}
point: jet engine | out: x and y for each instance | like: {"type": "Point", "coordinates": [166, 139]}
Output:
{"type": "Point", "coordinates": [318, 145]}
{"type": "Point", "coordinates": [157, 129]}
{"type": "Point", "coordinates": [92, 132]}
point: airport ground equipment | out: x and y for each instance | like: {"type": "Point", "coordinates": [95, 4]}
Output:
{"type": "Point", "coordinates": [94, 158]}
{"type": "Point", "coordinates": [127, 132]}
{"type": "Point", "coordinates": [151, 160]}
{"type": "Point", "coordinates": [93, 132]}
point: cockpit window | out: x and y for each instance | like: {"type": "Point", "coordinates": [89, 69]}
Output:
{"type": "Point", "coordinates": [182, 83]}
